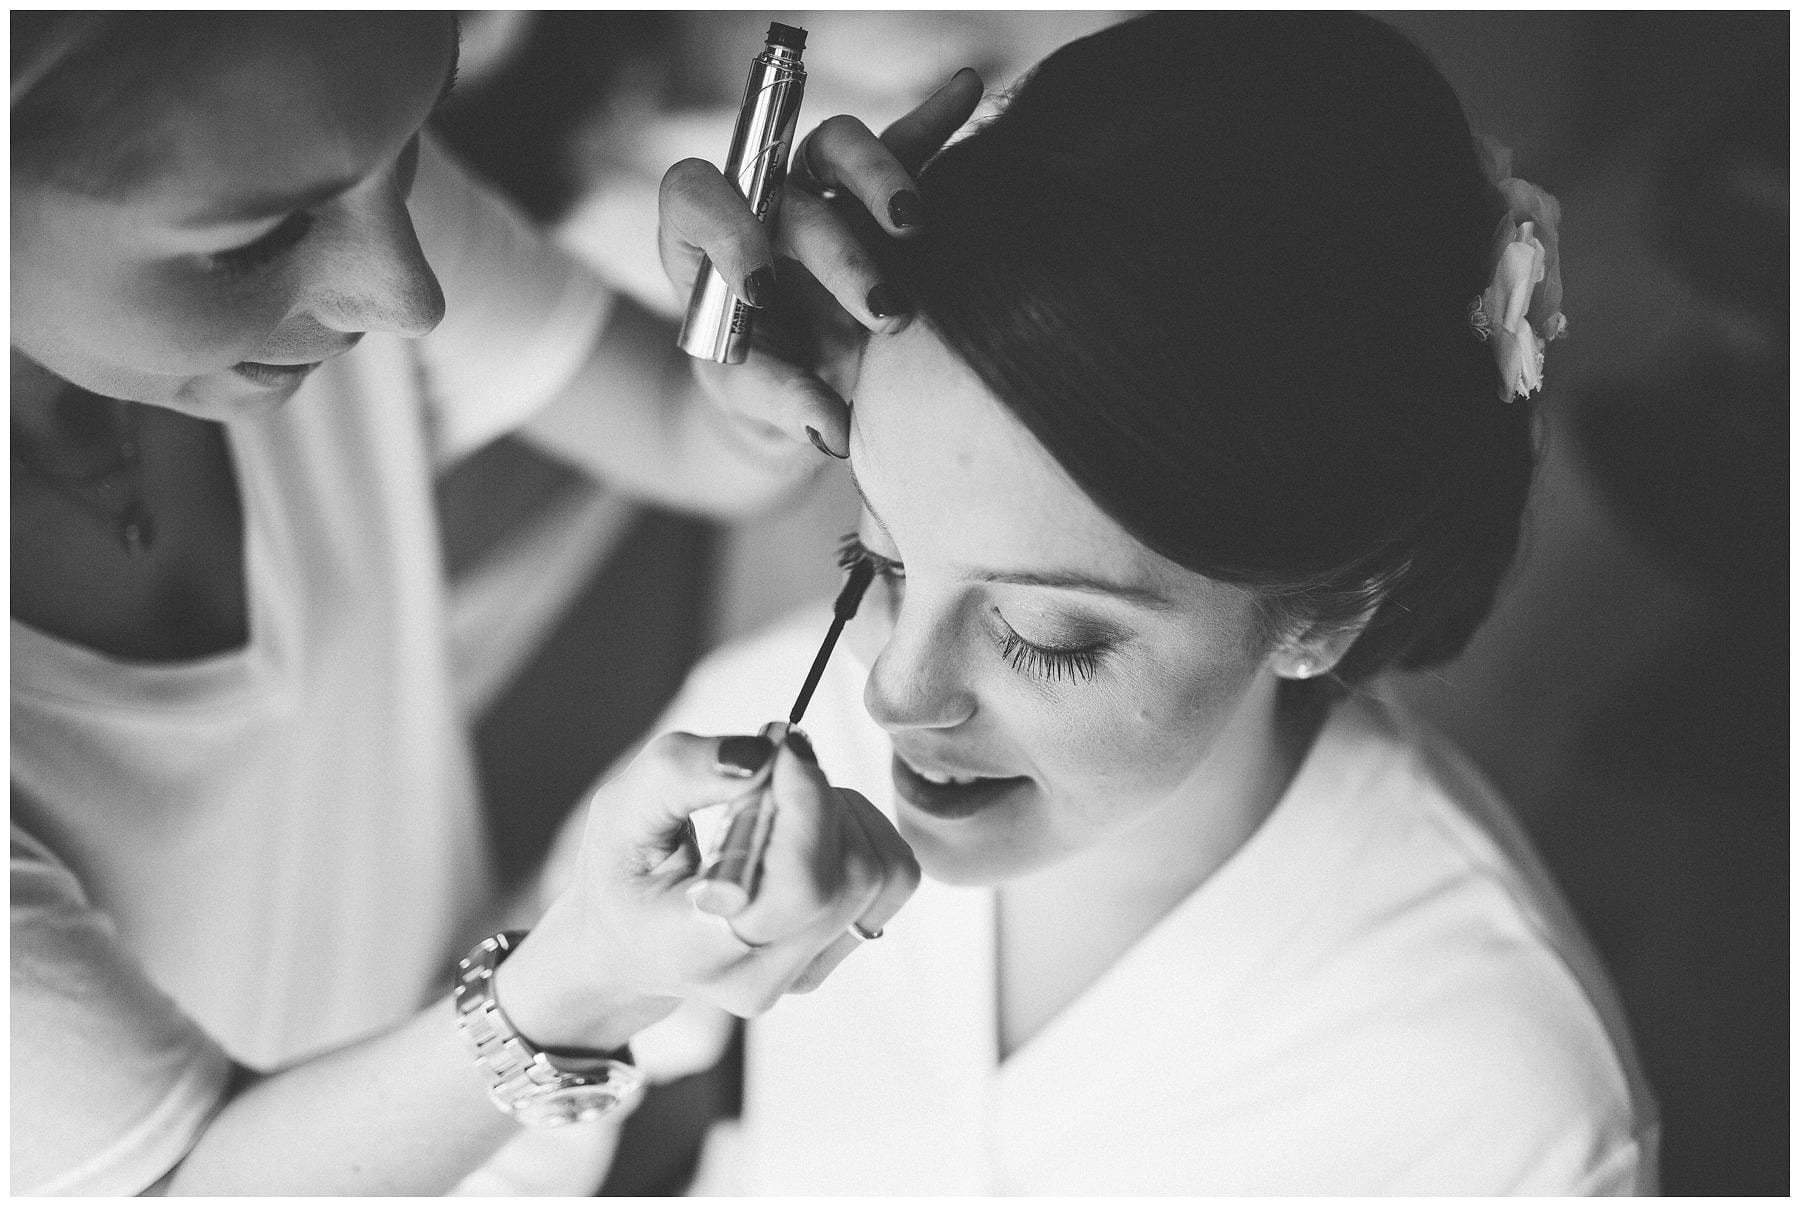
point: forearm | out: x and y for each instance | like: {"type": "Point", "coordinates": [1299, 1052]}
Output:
{"type": "Point", "coordinates": [635, 418]}
{"type": "Point", "coordinates": [403, 1112]}
{"type": "Point", "coordinates": [407, 1111]}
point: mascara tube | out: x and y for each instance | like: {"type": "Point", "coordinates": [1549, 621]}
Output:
{"type": "Point", "coordinates": [717, 326]}
{"type": "Point", "coordinates": [730, 882]}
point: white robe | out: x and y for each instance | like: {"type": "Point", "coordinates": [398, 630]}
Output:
{"type": "Point", "coordinates": [1381, 992]}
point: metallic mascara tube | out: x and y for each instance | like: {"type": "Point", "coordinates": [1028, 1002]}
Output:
{"type": "Point", "coordinates": [730, 882]}
{"type": "Point", "coordinates": [717, 326]}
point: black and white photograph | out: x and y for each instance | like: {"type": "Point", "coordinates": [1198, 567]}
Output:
{"type": "Point", "coordinates": [900, 602]}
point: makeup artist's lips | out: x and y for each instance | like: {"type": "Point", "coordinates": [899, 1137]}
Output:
{"type": "Point", "coordinates": [952, 800]}
{"type": "Point", "coordinates": [291, 373]}
{"type": "Point", "coordinates": [274, 376]}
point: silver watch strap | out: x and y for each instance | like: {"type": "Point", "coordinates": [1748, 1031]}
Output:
{"type": "Point", "coordinates": [514, 1066]}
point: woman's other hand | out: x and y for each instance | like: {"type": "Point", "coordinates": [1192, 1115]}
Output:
{"type": "Point", "coordinates": [703, 215]}
{"type": "Point", "coordinates": [625, 944]}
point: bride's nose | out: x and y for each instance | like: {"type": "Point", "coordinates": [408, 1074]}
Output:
{"type": "Point", "coordinates": [920, 679]}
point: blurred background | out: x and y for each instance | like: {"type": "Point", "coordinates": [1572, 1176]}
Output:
{"type": "Point", "coordinates": [1629, 693]}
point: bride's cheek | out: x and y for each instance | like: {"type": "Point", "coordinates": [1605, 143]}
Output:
{"type": "Point", "coordinates": [874, 624]}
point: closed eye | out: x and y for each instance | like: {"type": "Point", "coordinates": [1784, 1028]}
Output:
{"type": "Point", "coordinates": [1050, 664]}
{"type": "Point", "coordinates": [269, 247]}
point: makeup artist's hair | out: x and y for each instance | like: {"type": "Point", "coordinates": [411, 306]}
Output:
{"type": "Point", "coordinates": [1220, 265]}
{"type": "Point", "coordinates": [80, 79]}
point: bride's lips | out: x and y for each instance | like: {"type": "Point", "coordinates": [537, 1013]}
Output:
{"type": "Point", "coordinates": [951, 800]}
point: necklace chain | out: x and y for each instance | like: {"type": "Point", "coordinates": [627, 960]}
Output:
{"type": "Point", "coordinates": [93, 492]}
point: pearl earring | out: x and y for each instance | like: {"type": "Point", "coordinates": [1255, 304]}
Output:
{"type": "Point", "coordinates": [1303, 669]}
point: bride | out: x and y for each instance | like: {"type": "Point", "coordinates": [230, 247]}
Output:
{"type": "Point", "coordinates": [1211, 413]}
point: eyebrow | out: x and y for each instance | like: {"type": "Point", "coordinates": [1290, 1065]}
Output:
{"type": "Point", "coordinates": [1147, 597]}
{"type": "Point", "coordinates": [258, 207]}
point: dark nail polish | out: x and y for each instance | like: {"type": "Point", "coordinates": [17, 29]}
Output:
{"type": "Point", "coordinates": [886, 300]}
{"type": "Point", "coordinates": [759, 286]}
{"type": "Point", "coordinates": [812, 434]}
{"type": "Point", "coordinates": [743, 756]}
{"type": "Point", "coordinates": [905, 208]}
{"type": "Point", "coordinates": [797, 742]}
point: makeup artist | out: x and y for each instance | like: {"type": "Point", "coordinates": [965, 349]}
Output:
{"type": "Point", "coordinates": [254, 311]}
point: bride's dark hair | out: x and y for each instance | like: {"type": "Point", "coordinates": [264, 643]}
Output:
{"type": "Point", "coordinates": [1220, 265]}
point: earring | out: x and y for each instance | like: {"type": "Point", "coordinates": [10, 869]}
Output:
{"type": "Point", "coordinates": [1303, 669]}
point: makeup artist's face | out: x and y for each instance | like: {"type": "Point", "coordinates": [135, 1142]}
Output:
{"type": "Point", "coordinates": [271, 233]}
{"type": "Point", "coordinates": [1088, 683]}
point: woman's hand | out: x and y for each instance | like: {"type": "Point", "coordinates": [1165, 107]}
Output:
{"type": "Point", "coordinates": [624, 944]}
{"type": "Point", "coordinates": [704, 215]}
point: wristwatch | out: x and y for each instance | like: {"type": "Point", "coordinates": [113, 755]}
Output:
{"type": "Point", "coordinates": [537, 1087]}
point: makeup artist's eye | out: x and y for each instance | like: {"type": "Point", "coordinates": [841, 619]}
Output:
{"type": "Point", "coordinates": [851, 550]}
{"type": "Point", "coordinates": [1047, 663]}
{"type": "Point", "coordinates": [270, 247]}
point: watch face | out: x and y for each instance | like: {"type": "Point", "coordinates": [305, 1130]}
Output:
{"type": "Point", "coordinates": [575, 1104]}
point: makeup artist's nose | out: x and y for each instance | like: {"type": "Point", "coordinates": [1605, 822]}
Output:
{"type": "Point", "coordinates": [919, 680]}
{"type": "Point", "coordinates": [372, 274]}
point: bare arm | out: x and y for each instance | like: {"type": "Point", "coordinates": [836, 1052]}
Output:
{"type": "Point", "coordinates": [635, 417]}
{"type": "Point", "coordinates": [406, 1111]}
{"type": "Point", "coordinates": [400, 1113]}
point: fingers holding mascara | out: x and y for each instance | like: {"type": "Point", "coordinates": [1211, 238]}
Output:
{"type": "Point", "coordinates": [916, 137]}
{"type": "Point", "coordinates": [809, 325]}
{"type": "Point", "coordinates": [900, 878]}
{"type": "Point", "coordinates": [842, 154]}
{"type": "Point", "coordinates": [768, 390]}
{"type": "Point", "coordinates": [702, 215]}
{"type": "Point", "coordinates": [628, 931]}
{"type": "Point", "coordinates": [819, 868]}
{"type": "Point", "coordinates": [815, 236]}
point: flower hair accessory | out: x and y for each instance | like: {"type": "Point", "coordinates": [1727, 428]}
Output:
{"type": "Point", "coordinates": [1525, 296]}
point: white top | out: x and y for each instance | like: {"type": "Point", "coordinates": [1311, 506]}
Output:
{"type": "Point", "coordinates": [1380, 992]}
{"type": "Point", "coordinates": [277, 849]}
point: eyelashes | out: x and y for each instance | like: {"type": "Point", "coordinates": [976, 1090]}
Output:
{"type": "Point", "coordinates": [1050, 665]}
{"type": "Point", "coordinates": [270, 247]}
{"type": "Point", "coordinates": [851, 552]}
{"type": "Point", "coordinates": [1047, 664]}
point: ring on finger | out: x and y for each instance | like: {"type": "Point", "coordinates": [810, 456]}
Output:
{"type": "Point", "coordinates": [864, 934]}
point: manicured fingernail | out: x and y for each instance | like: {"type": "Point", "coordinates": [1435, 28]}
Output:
{"type": "Point", "coordinates": [905, 208]}
{"type": "Point", "coordinates": [759, 286]}
{"type": "Point", "coordinates": [952, 78]}
{"type": "Point", "coordinates": [743, 756]}
{"type": "Point", "coordinates": [721, 898]}
{"type": "Point", "coordinates": [812, 434]}
{"type": "Point", "coordinates": [886, 300]}
{"type": "Point", "coordinates": [799, 745]}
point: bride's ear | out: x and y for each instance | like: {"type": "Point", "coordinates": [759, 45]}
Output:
{"type": "Point", "coordinates": [1315, 648]}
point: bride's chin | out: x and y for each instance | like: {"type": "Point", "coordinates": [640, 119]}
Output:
{"type": "Point", "coordinates": [965, 860]}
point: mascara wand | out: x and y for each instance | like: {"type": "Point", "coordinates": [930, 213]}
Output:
{"type": "Point", "coordinates": [728, 885]}
{"type": "Point", "coordinates": [862, 573]}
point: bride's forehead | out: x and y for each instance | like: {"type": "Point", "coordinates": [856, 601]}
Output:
{"type": "Point", "coordinates": [918, 400]}
{"type": "Point", "coordinates": [932, 442]}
